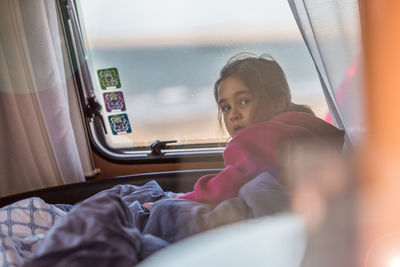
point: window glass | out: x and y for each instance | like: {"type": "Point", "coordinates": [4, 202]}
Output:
{"type": "Point", "coordinates": [154, 63]}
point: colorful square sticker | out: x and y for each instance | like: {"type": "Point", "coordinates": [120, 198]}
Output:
{"type": "Point", "coordinates": [114, 101]}
{"type": "Point", "coordinates": [109, 78]}
{"type": "Point", "coordinates": [119, 124]}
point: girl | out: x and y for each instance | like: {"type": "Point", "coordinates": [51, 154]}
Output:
{"type": "Point", "coordinates": [254, 101]}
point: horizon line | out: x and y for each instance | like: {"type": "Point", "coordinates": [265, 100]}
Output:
{"type": "Point", "coordinates": [237, 36]}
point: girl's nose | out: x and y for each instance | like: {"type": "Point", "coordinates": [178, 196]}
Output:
{"type": "Point", "coordinates": [234, 114]}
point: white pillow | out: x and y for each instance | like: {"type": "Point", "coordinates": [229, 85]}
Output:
{"type": "Point", "coordinates": [268, 241]}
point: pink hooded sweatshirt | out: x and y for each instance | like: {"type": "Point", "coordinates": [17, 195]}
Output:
{"type": "Point", "coordinates": [255, 150]}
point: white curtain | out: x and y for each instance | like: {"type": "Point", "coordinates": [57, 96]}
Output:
{"type": "Point", "coordinates": [331, 30]}
{"type": "Point", "coordinates": [38, 146]}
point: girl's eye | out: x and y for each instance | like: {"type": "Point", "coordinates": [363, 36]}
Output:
{"type": "Point", "coordinates": [225, 108]}
{"type": "Point", "coordinates": [244, 101]}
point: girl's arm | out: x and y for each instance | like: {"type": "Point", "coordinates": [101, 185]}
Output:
{"type": "Point", "coordinates": [243, 161]}
{"type": "Point", "coordinates": [249, 153]}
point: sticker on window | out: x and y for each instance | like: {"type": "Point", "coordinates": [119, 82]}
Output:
{"type": "Point", "coordinates": [119, 124]}
{"type": "Point", "coordinates": [114, 101]}
{"type": "Point", "coordinates": [109, 78]}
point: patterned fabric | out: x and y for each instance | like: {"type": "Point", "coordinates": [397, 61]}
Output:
{"type": "Point", "coordinates": [23, 225]}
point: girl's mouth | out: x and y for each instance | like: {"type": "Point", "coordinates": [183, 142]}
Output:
{"type": "Point", "coordinates": [237, 128]}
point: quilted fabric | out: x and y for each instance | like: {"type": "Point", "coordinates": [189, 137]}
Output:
{"type": "Point", "coordinates": [22, 228]}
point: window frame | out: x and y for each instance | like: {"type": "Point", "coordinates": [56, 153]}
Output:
{"type": "Point", "coordinates": [84, 86]}
{"type": "Point", "coordinates": [74, 45]}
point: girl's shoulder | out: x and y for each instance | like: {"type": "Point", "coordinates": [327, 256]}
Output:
{"type": "Point", "coordinates": [280, 121]}
{"type": "Point", "coordinates": [290, 123]}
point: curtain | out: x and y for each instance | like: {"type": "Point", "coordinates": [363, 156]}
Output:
{"type": "Point", "coordinates": [38, 145]}
{"type": "Point", "coordinates": [331, 30]}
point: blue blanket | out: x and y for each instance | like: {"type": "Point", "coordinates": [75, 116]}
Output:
{"type": "Point", "coordinates": [113, 228]}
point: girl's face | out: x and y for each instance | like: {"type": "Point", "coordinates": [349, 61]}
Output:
{"type": "Point", "coordinates": [241, 107]}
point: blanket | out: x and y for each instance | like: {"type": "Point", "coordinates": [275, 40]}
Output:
{"type": "Point", "coordinates": [113, 228]}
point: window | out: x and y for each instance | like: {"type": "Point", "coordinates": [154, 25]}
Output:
{"type": "Point", "coordinates": [153, 64]}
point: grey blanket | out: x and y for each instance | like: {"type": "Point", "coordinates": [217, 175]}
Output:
{"type": "Point", "coordinates": [112, 228]}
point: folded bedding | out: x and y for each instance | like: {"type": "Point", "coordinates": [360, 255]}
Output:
{"type": "Point", "coordinates": [113, 228]}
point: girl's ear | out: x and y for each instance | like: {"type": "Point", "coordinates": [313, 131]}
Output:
{"type": "Point", "coordinates": [280, 105]}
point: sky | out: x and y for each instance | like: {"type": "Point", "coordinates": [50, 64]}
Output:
{"type": "Point", "coordinates": [147, 19]}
